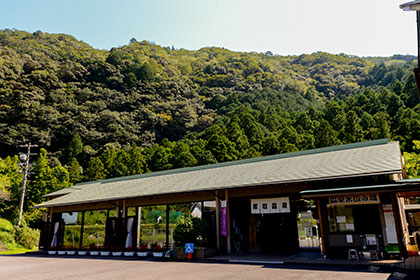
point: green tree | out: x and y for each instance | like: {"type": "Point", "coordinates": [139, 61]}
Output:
{"type": "Point", "coordinates": [182, 156]}
{"type": "Point", "coordinates": [75, 171]}
{"type": "Point", "coordinates": [325, 135]}
{"type": "Point", "coordinates": [412, 161]}
{"type": "Point", "coordinates": [95, 170]}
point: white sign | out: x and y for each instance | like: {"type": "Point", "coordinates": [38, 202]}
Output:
{"type": "Point", "coordinates": [306, 215]}
{"type": "Point", "coordinates": [341, 219]}
{"type": "Point", "coordinates": [391, 233]}
{"type": "Point", "coordinates": [270, 205]}
{"type": "Point", "coordinates": [349, 238]}
{"type": "Point", "coordinates": [370, 239]}
{"type": "Point", "coordinates": [350, 226]}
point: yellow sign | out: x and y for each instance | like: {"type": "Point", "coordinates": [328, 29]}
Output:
{"type": "Point", "coordinates": [354, 199]}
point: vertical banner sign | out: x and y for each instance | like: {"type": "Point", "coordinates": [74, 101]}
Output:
{"type": "Point", "coordinates": [223, 230]}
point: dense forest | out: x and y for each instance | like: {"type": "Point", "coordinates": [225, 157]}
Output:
{"type": "Point", "coordinates": [143, 107]}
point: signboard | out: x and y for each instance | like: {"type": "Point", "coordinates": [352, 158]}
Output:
{"type": "Point", "coordinates": [391, 233]}
{"type": "Point", "coordinates": [270, 205]}
{"type": "Point", "coordinates": [309, 232]}
{"type": "Point", "coordinates": [307, 223]}
{"type": "Point", "coordinates": [189, 248]}
{"type": "Point", "coordinates": [306, 215]}
{"type": "Point", "coordinates": [223, 226]}
{"type": "Point", "coordinates": [354, 199]}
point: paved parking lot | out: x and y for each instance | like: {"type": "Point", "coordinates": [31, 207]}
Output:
{"type": "Point", "coordinates": [39, 267]}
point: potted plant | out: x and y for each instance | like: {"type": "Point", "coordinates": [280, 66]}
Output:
{"type": "Point", "coordinates": [116, 251]}
{"type": "Point", "coordinates": [52, 250]}
{"type": "Point", "coordinates": [158, 250]}
{"type": "Point", "coordinates": [104, 251]}
{"type": "Point", "coordinates": [129, 251]}
{"type": "Point", "coordinates": [143, 251]}
{"type": "Point", "coordinates": [82, 251]}
{"type": "Point", "coordinates": [93, 250]}
{"type": "Point", "coordinates": [71, 251]}
{"type": "Point", "coordinates": [62, 251]}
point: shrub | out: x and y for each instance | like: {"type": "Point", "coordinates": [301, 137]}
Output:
{"type": "Point", "coordinates": [190, 230]}
{"type": "Point", "coordinates": [27, 237]}
{"type": "Point", "coordinates": [7, 232]}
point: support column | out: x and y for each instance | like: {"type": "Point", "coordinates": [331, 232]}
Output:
{"type": "Point", "coordinates": [82, 229]}
{"type": "Point", "coordinates": [217, 223]}
{"type": "Point", "coordinates": [118, 209]}
{"type": "Point", "coordinates": [123, 210]}
{"type": "Point", "coordinates": [50, 214]}
{"type": "Point", "coordinates": [228, 238]}
{"type": "Point", "coordinates": [138, 214]}
{"type": "Point", "coordinates": [167, 226]}
{"type": "Point", "coordinates": [397, 220]}
{"type": "Point", "coordinates": [321, 227]}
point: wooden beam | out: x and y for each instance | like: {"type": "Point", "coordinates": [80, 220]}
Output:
{"type": "Point", "coordinates": [217, 222]}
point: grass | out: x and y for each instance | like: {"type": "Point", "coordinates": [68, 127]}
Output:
{"type": "Point", "coordinates": [16, 251]}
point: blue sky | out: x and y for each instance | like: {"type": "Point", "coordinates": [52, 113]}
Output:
{"type": "Point", "coordinates": [358, 27]}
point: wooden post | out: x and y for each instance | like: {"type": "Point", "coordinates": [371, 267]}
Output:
{"type": "Point", "coordinates": [396, 210]}
{"type": "Point", "coordinates": [228, 239]}
{"type": "Point", "coordinates": [118, 209]}
{"type": "Point", "coordinates": [82, 229]}
{"type": "Point", "coordinates": [321, 227]}
{"type": "Point", "coordinates": [217, 223]}
{"type": "Point", "coordinates": [167, 226]}
{"type": "Point", "coordinates": [138, 214]}
{"type": "Point", "coordinates": [123, 210]}
{"type": "Point", "coordinates": [50, 214]}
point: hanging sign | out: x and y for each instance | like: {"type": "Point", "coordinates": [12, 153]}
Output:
{"type": "Point", "coordinates": [270, 205]}
{"type": "Point", "coordinates": [223, 226]}
{"type": "Point", "coordinates": [354, 199]}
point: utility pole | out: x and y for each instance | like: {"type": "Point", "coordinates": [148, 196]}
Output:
{"type": "Point", "coordinates": [25, 157]}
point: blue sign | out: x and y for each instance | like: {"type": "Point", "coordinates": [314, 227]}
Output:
{"type": "Point", "coordinates": [189, 248]}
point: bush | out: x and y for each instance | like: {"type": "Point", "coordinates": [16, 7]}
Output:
{"type": "Point", "coordinates": [7, 232]}
{"type": "Point", "coordinates": [27, 237]}
{"type": "Point", "coordinates": [190, 230]}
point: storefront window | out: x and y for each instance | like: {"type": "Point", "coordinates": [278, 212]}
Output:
{"type": "Point", "coordinates": [340, 218]}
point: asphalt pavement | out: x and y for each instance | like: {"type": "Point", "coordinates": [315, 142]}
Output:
{"type": "Point", "coordinates": [44, 267]}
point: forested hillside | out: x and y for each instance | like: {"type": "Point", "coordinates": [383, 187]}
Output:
{"type": "Point", "coordinates": [142, 107]}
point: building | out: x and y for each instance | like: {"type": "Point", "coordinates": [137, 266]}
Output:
{"type": "Point", "coordinates": [351, 196]}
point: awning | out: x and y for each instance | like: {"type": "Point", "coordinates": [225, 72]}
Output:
{"type": "Point", "coordinates": [399, 186]}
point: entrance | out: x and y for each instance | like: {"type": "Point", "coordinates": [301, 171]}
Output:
{"type": "Point", "coordinates": [308, 229]}
{"type": "Point", "coordinates": [276, 233]}
{"type": "Point", "coordinates": [263, 226]}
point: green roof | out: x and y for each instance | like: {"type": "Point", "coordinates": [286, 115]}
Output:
{"type": "Point", "coordinates": [359, 159]}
